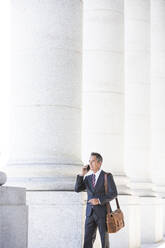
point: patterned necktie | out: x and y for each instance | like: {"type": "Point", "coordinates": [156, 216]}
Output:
{"type": "Point", "coordinates": [93, 180]}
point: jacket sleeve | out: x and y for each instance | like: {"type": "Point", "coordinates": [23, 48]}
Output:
{"type": "Point", "coordinates": [112, 191]}
{"type": "Point", "coordinates": [80, 184]}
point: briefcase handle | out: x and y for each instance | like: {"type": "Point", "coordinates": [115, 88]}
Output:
{"type": "Point", "coordinates": [109, 209]}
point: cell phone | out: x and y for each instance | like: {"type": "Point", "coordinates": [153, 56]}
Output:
{"type": "Point", "coordinates": [88, 167]}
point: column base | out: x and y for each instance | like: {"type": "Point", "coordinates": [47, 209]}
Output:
{"type": "Point", "coordinates": [42, 176]}
{"type": "Point", "coordinates": [142, 188]}
{"type": "Point", "coordinates": [123, 184]}
{"type": "Point", "coordinates": [155, 245]}
{"type": "Point", "coordinates": [151, 219]}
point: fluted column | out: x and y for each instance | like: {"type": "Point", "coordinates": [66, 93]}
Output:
{"type": "Point", "coordinates": [157, 98]}
{"type": "Point", "coordinates": [137, 95]}
{"type": "Point", "coordinates": [157, 93]}
{"type": "Point", "coordinates": [138, 116]}
{"type": "Point", "coordinates": [103, 104]}
{"type": "Point", "coordinates": [103, 85]}
{"type": "Point", "coordinates": [5, 74]}
{"type": "Point", "coordinates": [45, 123]}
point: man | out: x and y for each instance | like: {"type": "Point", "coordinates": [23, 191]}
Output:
{"type": "Point", "coordinates": [97, 199]}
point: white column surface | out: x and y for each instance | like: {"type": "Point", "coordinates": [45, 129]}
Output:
{"type": "Point", "coordinates": [103, 85]}
{"type": "Point", "coordinates": [137, 95]}
{"type": "Point", "coordinates": [157, 94]}
{"type": "Point", "coordinates": [45, 123]}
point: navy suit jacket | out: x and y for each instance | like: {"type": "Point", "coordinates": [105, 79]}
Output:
{"type": "Point", "coordinates": [97, 192]}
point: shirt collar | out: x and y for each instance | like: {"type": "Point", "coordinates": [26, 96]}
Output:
{"type": "Point", "coordinates": [97, 173]}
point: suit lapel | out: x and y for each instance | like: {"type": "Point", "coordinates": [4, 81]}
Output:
{"type": "Point", "coordinates": [90, 183]}
{"type": "Point", "coordinates": [99, 180]}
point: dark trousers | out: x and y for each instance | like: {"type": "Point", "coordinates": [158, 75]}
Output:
{"type": "Point", "coordinates": [91, 224]}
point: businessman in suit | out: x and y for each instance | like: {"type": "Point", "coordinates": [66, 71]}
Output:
{"type": "Point", "coordinates": [97, 199]}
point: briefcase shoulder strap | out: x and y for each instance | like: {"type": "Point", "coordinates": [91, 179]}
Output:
{"type": "Point", "coordinates": [105, 183]}
{"type": "Point", "coordinates": [108, 205]}
{"type": "Point", "coordinates": [109, 209]}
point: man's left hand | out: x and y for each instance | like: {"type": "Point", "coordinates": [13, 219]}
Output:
{"type": "Point", "coordinates": [94, 201]}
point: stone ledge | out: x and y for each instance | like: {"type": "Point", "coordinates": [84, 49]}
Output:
{"type": "Point", "coordinates": [12, 196]}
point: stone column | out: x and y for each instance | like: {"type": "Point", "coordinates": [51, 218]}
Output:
{"type": "Point", "coordinates": [157, 98]}
{"type": "Point", "coordinates": [137, 95]}
{"type": "Point", "coordinates": [13, 209]}
{"type": "Point", "coordinates": [138, 116]}
{"type": "Point", "coordinates": [45, 123]}
{"type": "Point", "coordinates": [103, 103]}
{"type": "Point", "coordinates": [103, 85]}
{"type": "Point", "coordinates": [5, 74]}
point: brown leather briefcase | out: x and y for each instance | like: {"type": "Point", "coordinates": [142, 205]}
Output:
{"type": "Point", "coordinates": [114, 219]}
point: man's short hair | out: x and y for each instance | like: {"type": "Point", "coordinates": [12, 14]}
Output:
{"type": "Point", "coordinates": [98, 156]}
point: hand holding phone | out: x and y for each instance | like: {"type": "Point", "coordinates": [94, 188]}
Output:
{"type": "Point", "coordinates": [85, 169]}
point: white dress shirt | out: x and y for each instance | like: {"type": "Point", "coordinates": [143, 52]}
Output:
{"type": "Point", "coordinates": [97, 174]}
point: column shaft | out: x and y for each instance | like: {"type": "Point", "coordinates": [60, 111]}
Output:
{"type": "Point", "coordinates": [158, 100]}
{"type": "Point", "coordinates": [157, 94]}
{"type": "Point", "coordinates": [45, 123]}
{"type": "Point", "coordinates": [103, 85]}
{"type": "Point", "coordinates": [137, 96]}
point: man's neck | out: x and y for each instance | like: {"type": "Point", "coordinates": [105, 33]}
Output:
{"type": "Point", "coordinates": [96, 171]}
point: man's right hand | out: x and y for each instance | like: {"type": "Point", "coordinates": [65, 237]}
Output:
{"type": "Point", "coordinates": [84, 170]}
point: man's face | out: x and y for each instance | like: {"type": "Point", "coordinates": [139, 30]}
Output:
{"type": "Point", "coordinates": [94, 164]}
